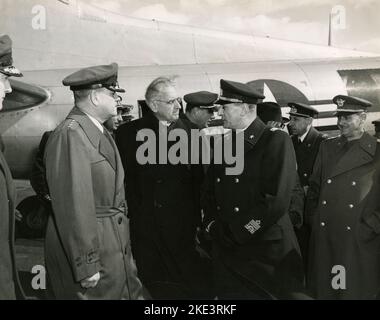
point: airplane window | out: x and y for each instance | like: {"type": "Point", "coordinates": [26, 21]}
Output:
{"type": "Point", "coordinates": [23, 96]}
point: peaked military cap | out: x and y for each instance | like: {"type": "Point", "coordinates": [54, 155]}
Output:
{"type": "Point", "coordinates": [350, 105]}
{"type": "Point", "coordinates": [302, 110]}
{"type": "Point", "coordinates": [269, 111]}
{"type": "Point", "coordinates": [95, 77]}
{"type": "Point", "coordinates": [6, 59]}
{"type": "Point", "coordinates": [200, 99]}
{"type": "Point", "coordinates": [236, 92]}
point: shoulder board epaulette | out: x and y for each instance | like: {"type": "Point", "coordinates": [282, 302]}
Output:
{"type": "Point", "coordinates": [72, 124]}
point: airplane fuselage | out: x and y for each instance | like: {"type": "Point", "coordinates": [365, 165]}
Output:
{"type": "Point", "coordinates": [40, 106]}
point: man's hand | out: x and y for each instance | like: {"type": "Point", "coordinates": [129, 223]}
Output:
{"type": "Point", "coordinates": [90, 282]}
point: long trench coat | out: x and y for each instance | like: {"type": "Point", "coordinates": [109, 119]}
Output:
{"type": "Point", "coordinates": [343, 209]}
{"type": "Point", "coordinates": [89, 230]}
{"type": "Point", "coordinates": [261, 258]}
{"type": "Point", "coordinates": [9, 282]}
{"type": "Point", "coordinates": [164, 210]}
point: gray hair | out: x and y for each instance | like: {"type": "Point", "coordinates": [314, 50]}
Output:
{"type": "Point", "coordinates": [156, 86]}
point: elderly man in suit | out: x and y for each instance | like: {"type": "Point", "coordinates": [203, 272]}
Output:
{"type": "Point", "coordinates": [88, 253]}
{"type": "Point", "coordinates": [343, 210]}
{"type": "Point", "coordinates": [9, 283]}
{"type": "Point", "coordinates": [163, 200]}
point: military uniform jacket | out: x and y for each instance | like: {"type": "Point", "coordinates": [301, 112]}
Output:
{"type": "Point", "coordinates": [306, 152]}
{"type": "Point", "coordinates": [343, 209]}
{"type": "Point", "coordinates": [253, 208]}
{"type": "Point", "coordinates": [9, 282]}
{"type": "Point", "coordinates": [164, 209]}
{"type": "Point", "coordinates": [89, 229]}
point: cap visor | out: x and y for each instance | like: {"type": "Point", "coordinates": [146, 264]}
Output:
{"type": "Point", "coordinates": [299, 115]}
{"type": "Point", "coordinates": [221, 102]}
{"type": "Point", "coordinates": [117, 89]}
{"type": "Point", "coordinates": [346, 112]}
{"type": "Point", "coordinates": [206, 107]}
{"type": "Point", "coordinates": [11, 71]}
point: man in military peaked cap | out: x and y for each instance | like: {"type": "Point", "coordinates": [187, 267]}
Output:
{"type": "Point", "coordinates": [306, 141]}
{"type": "Point", "coordinates": [9, 283]}
{"type": "Point", "coordinates": [199, 108]}
{"type": "Point", "coordinates": [88, 253]}
{"type": "Point", "coordinates": [6, 59]}
{"type": "Point", "coordinates": [255, 251]}
{"type": "Point", "coordinates": [342, 209]}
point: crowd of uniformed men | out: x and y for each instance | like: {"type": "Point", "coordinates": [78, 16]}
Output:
{"type": "Point", "coordinates": [301, 221]}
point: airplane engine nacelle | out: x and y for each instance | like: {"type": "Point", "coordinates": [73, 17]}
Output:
{"type": "Point", "coordinates": [22, 122]}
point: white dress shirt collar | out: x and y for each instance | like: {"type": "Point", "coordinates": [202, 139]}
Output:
{"type": "Point", "coordinates": [302, 138]}
{"type": "Point", "coordinates": [96, 122]}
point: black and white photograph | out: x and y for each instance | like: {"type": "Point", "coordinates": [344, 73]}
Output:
{"type": "Point", "coordinates": [212, 151]}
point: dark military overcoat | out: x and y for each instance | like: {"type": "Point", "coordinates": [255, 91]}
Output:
{"type": "Point", "coordinates": [164, 209]}
{"type": "Point", "coordinates": [263, 259]}
{"type": "Point", "coordinates": [89, 229]}
{"type": "Point", "coordinates": [306, 152]}
{"type": "Point", "coordinates": [343, 209]}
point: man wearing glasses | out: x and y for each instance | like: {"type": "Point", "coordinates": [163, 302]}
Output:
{"type": "Point", "coordinates": [343, 209]}
{"type": "Point", "coordinates": [88, 253]}
{"type": "Point", "coordinates": [163, 202]}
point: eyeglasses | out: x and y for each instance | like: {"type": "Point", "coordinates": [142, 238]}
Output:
{"type": "Point", "coordinates": [171, 102]}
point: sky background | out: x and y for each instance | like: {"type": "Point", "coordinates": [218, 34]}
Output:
{"type": "Point", "coordinates": [300, 20]}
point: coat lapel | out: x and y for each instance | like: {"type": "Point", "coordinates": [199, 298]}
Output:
{"type": "Point", "coordinates": [310, 140]}
{"type": "Point", "coordinates": [98, 140]}
{"type": "Point", "coordinates": [306, 146]}
{"type": "Point", "coordinates": [119, 174]}
{"type": "Point", "coordinates": [358, 155]}
{"type": "Point", "coordinates": [252, 134]}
